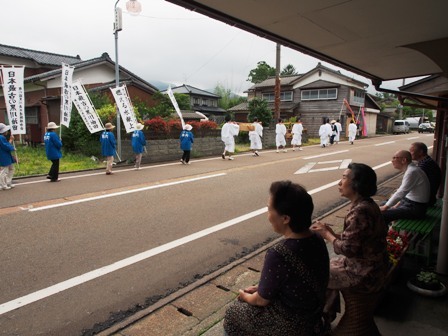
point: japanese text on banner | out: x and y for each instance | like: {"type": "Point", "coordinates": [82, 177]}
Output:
{"type": "Point", "coordinates": [14, 98]}
{"type": "Point", "coordinates": [125, 108]}
{"type": "Point", "coordinates": [85, 108]}
{"type": "Point", "coordinates": [66, 94]}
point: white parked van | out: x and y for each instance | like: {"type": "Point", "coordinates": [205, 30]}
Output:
{"type": "Point", "coordinates": [400, 126]}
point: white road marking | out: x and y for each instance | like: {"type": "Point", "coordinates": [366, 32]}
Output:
{"type": "Point", "coordinates": [83, 278]}
{"type": "Point", "coordinates": [89, 199]}
{"type": "Point", "coordinates": [322, 155]}
{"type": "Point", "coordinates": [308, 168]}
{"type": "Point", "coordinates": [412, 138]}
{"type": "Point", "coordinates": [384, 143]}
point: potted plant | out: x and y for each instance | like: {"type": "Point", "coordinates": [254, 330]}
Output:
{"type": "Point", "coordinates": [427, 283]}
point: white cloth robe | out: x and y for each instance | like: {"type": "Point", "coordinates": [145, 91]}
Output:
{"type": "Point", "coordinates": [228, 131]}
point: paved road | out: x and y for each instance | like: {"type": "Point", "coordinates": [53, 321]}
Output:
{"type": "Point", "coordinates": [75, 252]}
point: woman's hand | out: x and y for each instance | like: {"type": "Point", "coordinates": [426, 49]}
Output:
{"type": "Point", "coordinates": [254, 299]}
{"type": "Point", "coordinates": [324, 230]}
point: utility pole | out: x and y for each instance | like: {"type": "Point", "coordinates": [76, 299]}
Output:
{"type": "Point", "coordinates": [277, 84]}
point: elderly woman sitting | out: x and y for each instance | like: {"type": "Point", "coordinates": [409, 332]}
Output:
{"type": "Point", "coordinates": [361, 268]}
{"type": "Point", "coordinates": [290, 296]}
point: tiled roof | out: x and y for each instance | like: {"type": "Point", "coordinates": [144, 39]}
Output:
{"type": "Point", "coordinates": [284, 80]}
{"type": "Point", "coordinates": [191, 90]}
{"type": "Point", "coordinates": [40, 57]}
{"type": "Point", "coordinates": [244, 106]}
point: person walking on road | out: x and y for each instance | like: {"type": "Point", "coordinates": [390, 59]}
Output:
{"type": "Point", "coordinates": [339, 130]}
{"type": "Point", "coordinates": [186, 140]}
{"type": "Point", "coordinates": [6, 159]}
{"type": "Point", "coordinates": [138, 144]}
{"type": "Point", "coordinates": [108, 145]}
{"type": "Point", "coordinates": [324, 134]}
{"type": "Point", "coordinates": [228, 131]}
{"type": "Point", "coordinates": [297, 131]}
{"type": "Point", "coordinates": [352, 130]}
{"type": "Point", "coordinates": [280, 133]}
{"type": "Point", "coordinates": [53, 146]}
{"type": "Point", "coordinates": [255, 136]}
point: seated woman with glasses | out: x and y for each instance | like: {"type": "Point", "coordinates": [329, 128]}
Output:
{"type": "Point", "coordinates": [361, 267]}
{"type": "Point", "coordinates": [290, 296]}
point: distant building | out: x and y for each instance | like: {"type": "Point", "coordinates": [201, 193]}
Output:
{"type": "Point", "coordinates": [42, 84]}
{"type": "Point", "coordinates": [316, 96]}
{"type": "Point", "coordinates": [201, 101]}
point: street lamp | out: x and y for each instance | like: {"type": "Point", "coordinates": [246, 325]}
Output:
{"type": "Point", "coordinates": [134, 8]}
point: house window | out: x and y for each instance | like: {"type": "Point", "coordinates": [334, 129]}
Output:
{"type": "Point", "coordinates": [32, 115]}
{"type": "Point", "coordinates": [319, 94]}
{"type": "Point", "coordinates": [204, 102]}
{"type": "Point", "coordinates": [284, 96]}
{"type": "Point", "coordinates": [195, 101]}
{"type": "Point", "coordinates": [358, 97]}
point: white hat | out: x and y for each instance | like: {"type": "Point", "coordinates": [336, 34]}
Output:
{"type": "Point", "coordinates": [52, 125]}
{"type": "Point", "coordinates": [4, 128]}
{"type": "Point", "coordinates": [188, 127]}
{"type": "Point", "coordinates": [139, 127]}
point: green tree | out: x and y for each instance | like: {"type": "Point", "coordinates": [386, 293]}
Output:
{"type": "Point", "coordinates": [228, 98]}
{"type": "Point", "coordinates": [258, 108]}
{"type": "Point", "coordinates": [163, 106]}
{"type": "Point", "coordinates": [261, 72]}
{"type": "Point", "coordinates": [289, 70]}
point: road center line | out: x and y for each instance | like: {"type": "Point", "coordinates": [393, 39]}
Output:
{"type": "Point", "coordinates": [83, 278]}
{"type": "Point", "coordinates": [120, 193]}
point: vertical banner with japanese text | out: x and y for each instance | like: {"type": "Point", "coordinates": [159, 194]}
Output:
{"type": "Point", "coordinates": [85, 108]}
{"type": "Point", "coordinates": [125, 107]}
{"type": "Point", "coordinates": [176, 106]}
{"type": "Point", "coordinates": [12, 79]}
{"type": "Point", "coordinates": [66, 94]}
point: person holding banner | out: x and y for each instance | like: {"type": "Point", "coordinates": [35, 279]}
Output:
{"type": "Point", "coordinates": [6, 159]}
{"type": "Point", "coordinates": [53, 147]}
{"type": "Point", "coordinates": [228, 131]}
{"type": "Point", "coordinates": [138, 144]}
{"type": "Point", "coordinates": [186, 140]}
{"type": "Point", "coordinates": [108, 145]}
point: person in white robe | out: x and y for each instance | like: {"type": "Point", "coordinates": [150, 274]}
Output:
{"type": "Point", "coordinates": [352, 130]}
{"type": "Point", "coordinates": [324, 134]}
{"type": "Point", "coordinates": [280, 133]}
{"type": "Point", "coordinates": [228, 131]}
{"type": "Point", "coordinates": [255, 136]}
{"type": "Point", "coordinates": [339, 129]}
{"type": "Point", "coordinates": [297, 131]}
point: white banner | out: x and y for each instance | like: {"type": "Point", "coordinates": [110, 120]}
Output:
{"type": "Point", "coordinates": [66, 94]}
{"type": "Point", "coordinates": [176, 107]}
{"type": "Point", "coordinates": [125, 107]}
{"type": "Point", "coordinates": [85, 108]}
{"type": "Point", "coordinates": [12, 78]}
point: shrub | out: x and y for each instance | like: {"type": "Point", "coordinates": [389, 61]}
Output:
{"type": "Point", "coordinates": [174, 125]}
{"type": "Point", "coordinates": [157, 126]}
{"type": "Point", "coordinates": [204, 125]}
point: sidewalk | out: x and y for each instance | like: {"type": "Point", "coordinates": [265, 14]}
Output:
{"type": "Point", "coordinates": [199, 308]}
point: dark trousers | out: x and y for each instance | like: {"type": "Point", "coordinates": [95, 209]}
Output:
{"type": "Point", "coordinates": [53, 174]}
{"type": "Point", "coordinates": [405, 210]}
{"type": "Point", "coordinates": [186, 156]}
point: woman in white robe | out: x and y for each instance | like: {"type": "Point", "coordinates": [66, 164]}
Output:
{"type": "Point", "coordinates": [297, 131]}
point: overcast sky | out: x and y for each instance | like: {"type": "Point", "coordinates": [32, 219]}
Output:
{"type": "Point", "coordinates": [164, 43]}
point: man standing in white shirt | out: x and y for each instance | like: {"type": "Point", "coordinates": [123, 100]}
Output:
{"type": "Point", "coordinates": [412, 197]}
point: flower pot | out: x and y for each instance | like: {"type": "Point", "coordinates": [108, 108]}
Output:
{"type": "Point", "coordinates": [433, 291]}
